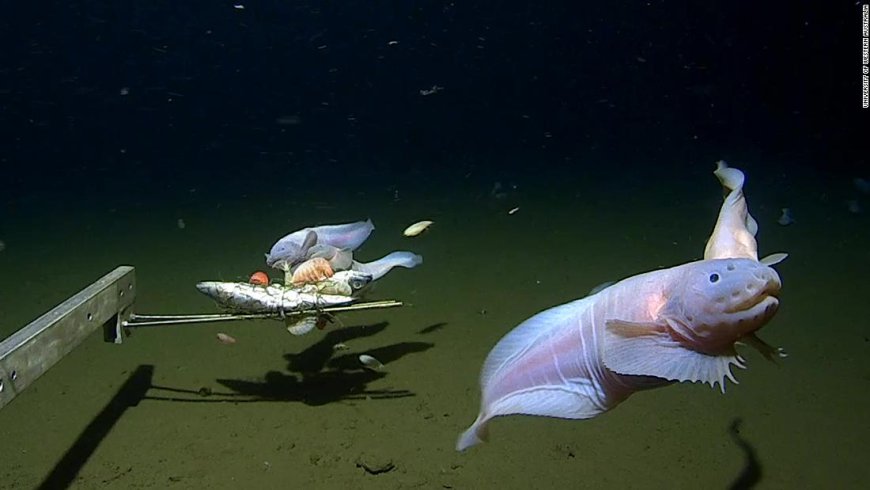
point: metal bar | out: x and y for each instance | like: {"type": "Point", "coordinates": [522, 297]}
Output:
{"type": "Point", "coordinates": [34, 349]}
{"type": "Point", "coordinates": [137, 320]}
{"type": "Point", "coordinates": [388, 303]}
{"type": "Point", "coordinates": [136, 316]}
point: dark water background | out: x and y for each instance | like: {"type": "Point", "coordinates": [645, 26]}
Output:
{"type": "Point", "coordinates": [600, 122]}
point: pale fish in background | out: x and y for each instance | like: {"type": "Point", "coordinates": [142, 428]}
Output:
{"type": "Point", "coordinates": [417, 228]}
{"type": "Point", "coordinates": [785, 218]}
{"type": "Point", "coordinates": [370, 362]}
{"type": "Point", "coordinates": [583, 358]}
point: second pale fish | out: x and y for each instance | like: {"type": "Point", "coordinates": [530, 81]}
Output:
{"type": "Point", "coordinates": [370, 362]}
{"type": "Point", "coordinates": [417, 228]}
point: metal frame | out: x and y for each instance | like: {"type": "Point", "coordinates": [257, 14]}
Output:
{"type": "Point", "coordinates": [33, 350]}
{"type": "Point", "coordinates": [106, 304]}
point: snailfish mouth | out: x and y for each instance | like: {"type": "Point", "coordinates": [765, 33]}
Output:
{"type": "Point", "coordinates": [769, 288]}
{"type": "Point", "coordinates": [755, 316]}
{"type": "Point", "coordinates": [749, 303]}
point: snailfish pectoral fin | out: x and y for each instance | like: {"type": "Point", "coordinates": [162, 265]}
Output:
{"type": "Point", "coordinates": [774, 259]}
{"type": "Point", "coordinates": [644, 349]}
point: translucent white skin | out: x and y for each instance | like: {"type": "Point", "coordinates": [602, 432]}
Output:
{"type": "Point", "coordinates": [555, 363]}
{"type": "Point", "coordinates": [380, 267]}
{"type": "Point", "coordinates": [583, 358]}
{"type": "Point", "coordinates": [293, 248]}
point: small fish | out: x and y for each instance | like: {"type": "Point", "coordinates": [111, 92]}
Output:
{"type": "Point", "coordinates": [226, 339]}
{"type": "Point", "coordinates": [514, 210]}
{"type": "Point", "coordinates": [370, 362]}
{"type": "Point", "coordinates": [417, 228]}
{"type": "Point", "coordinates": [340, 346]}
{"type": "Point", "coordinates": [181, 224]}
{"type": "Point", "coordinates": [785, 218]}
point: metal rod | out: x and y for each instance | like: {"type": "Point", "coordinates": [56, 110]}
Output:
{"type": "Point", "coordinates": [162, 320]}
{"type": "Point", "coordinates": [174, 317]}
{"type": "Point", "coordinates": [134, 322]}
{"type": "Point", "coordinates": [389, 303]}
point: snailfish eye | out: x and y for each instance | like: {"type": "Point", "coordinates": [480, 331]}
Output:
{"type": "Point", "coordinates": [714, 277]}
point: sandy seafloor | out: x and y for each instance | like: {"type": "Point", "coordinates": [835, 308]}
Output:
{"type": "Point", "coordinates": [308, 421]}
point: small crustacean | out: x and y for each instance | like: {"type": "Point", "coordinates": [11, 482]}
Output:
{"type": "Point", "coordinates": [313, 270]}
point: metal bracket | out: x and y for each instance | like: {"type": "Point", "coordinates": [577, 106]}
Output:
{"type": "Point", "coordinates": [33, 350]}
